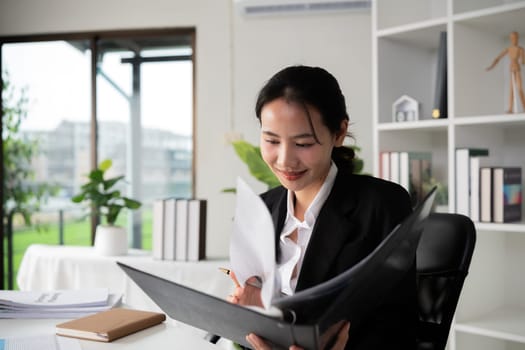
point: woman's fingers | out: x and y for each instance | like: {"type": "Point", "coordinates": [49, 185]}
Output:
{"type": "Point", "coordinates": [257, 342]}
{"type": "Point", "coordinates": [342, 337]}
{"type": "Point", "coordinates": [232, 299]}
{"type": "Point", "coordinates": [234, 279]}
{"type": "Point", "coordinates": [249, 295]}
{"type": "Point", "coordinates": [340, 343]}
{"type": "Point", "coordinates": [236, 296]}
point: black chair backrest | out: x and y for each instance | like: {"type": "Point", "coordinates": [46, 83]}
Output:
{"type": "Point", "coordinates": [442, 261]}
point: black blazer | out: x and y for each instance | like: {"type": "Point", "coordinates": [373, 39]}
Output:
{"type": "Point", "coordinates": [358, 213]}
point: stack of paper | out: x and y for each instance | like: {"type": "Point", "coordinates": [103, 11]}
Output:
{"type": "Point", "coordinates": [56, 304]}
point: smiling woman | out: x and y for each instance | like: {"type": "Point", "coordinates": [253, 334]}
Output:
{"type": "Point", "coordinates": [326, 217]}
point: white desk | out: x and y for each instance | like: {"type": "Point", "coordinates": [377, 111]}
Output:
{"type": "Point", "coordinates": [163, 336]}
{"type": "Point", "coordinates": [49, 267]}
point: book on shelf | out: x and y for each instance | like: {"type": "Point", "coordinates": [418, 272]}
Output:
{"type": "Point", "coordinates": [507, 194]}
{"type": "Point", "coordinates": [440, 93]}
{"type": "Point", "coordinates": [384, 165]}
{"type": "Point", "coordinates": [157, 244]}
{"type": "Point", "coordinates": [464, 189]}
{"type": "Point", "coordinates": [394, 167]}
{"type": "Point", "coordinates": [415, 172]}
{"type": "Point", "coordinates": [485, 194]}
{"type": "Point", "coordinates": [197, 229]}
{"type": "Point", "coordinates": [170, 212]}
{"type": "Point", "coordinates": [109, 325]}
{"type": "Point", "coordinates": [474, 173]}
{"type": "Point", "coordinates": [404, 170]}
{"type": "Point", "coordinates": [413, 169]}
{"type": "Point", "coordinates": [179, 229]}
{"type": "Point", "coordinates": [474, 208]}
{"type": "Point", "coordinates": [305, 318]}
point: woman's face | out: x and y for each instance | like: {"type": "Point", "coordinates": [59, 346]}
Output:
{"type": "Point", "coordinates": [289, 147]}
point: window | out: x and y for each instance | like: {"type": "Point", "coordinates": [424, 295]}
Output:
{"type": "Point", "coordinates": [143, 110]}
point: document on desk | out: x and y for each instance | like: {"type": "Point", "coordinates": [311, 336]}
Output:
{"type": "Point", "coordinates": [69, 312]}
{"type": "Point", "coordinates": [56, 304]}
{"type": "Point", "coordinates": [252, 245]}
{"type": "Point", "coordinates": [56, 299]}
{"type": "Point", "coordinates": [41, 342]}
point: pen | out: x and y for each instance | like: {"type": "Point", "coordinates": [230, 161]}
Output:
{"type": "Point", "coordinates": [256, 284]}
{"type": "Point", "coordinates": [225, 270]}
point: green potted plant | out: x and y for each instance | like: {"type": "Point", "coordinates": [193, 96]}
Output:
{"type": "Point", "coordinates": [107, 201]}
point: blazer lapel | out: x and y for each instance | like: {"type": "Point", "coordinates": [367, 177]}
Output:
{"type": "Point", "coordinates": [331, 230]}
{"type": "Point", "coordinates": [278, 216]}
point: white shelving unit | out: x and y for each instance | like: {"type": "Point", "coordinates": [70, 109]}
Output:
{"type": "Point", "coordinates": [491, 312]}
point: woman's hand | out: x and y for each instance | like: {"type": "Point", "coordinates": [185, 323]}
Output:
{"type": "Point", "coordinates": [338, 332]}
{"type": "Point", "coordinates": [249, 295]}
{"type": "Point", "coordinates": [340, 342]}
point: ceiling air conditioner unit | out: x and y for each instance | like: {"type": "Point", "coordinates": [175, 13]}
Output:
{"type": "Point", "coordinates": [276, 7]}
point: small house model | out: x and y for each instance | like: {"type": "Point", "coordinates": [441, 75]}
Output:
{"type": "Point", "coordinates": [405, 109]}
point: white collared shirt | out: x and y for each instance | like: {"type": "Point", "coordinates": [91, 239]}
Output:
{"type": "Point", "coordinates": [292, 253]}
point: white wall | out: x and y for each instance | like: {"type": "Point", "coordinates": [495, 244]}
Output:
{"type": "Point", "coordinates": [235, 56]}
{"type": "Point", "coordinates": [339, 42]}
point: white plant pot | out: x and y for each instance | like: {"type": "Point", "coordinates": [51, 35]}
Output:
{"type": "Point", "coordinates": [111, 240]}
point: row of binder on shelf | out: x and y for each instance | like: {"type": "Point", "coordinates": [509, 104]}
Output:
{"type": "Point", "coordinates": [412, 170]}
{"type": "Point", "coordinates": [179, 229]}
{"type": "Point", "coordinates": [487, 193]}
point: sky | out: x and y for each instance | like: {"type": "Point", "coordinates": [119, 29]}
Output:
{"type": "Point", "coordinates": [57, 79]}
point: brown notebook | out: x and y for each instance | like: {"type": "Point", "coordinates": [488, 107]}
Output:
{"type": "Point", "coordinates": [109, 325]}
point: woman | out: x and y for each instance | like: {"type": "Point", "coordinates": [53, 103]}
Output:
{"type": "Point", "coordinates": [327, 218]}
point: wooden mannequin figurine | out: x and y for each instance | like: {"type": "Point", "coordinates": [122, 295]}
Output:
{"type": "Point", "coordinates": [516, 54]}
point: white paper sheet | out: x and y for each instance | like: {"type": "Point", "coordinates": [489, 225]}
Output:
{"type": "Point", "coordinates": [252, 245]}
{"type": "Point", "coordinates": [55, 299]}
{"type": "Point", "coordinates": [57, 312]}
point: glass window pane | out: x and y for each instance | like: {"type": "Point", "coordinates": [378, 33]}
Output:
{"type": "Point", "coordinates": [145, 121]}
{"type": "Point", "coordinates": [53, 77]}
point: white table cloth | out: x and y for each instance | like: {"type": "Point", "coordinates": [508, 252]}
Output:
{"type": "Point", "coordinates": [49, 267]}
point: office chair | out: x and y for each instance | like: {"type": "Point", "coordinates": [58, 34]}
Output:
{"type": "Point", "coordinates": [442, 261]}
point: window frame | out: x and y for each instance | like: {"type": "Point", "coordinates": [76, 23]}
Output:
{"type": "Point", "coordinates": [93, 37]}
